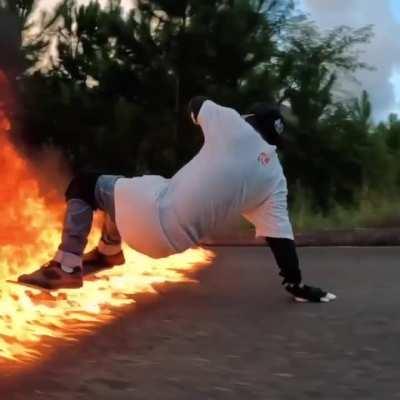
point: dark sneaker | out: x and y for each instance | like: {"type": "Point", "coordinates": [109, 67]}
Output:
{"type": "Point", "coordinates": [95, 261]}
{"type": "Point", "coordinates": [52, 277]}
{"type": "Point", "coordinates": [304, 294]}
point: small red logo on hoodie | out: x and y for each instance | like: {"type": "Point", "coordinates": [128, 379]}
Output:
{"type": "Point", "coordinates": [263, 159]}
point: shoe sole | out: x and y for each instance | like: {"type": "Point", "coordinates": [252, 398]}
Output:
{"type": "Point", "coordinates": [89, 269]}
{"type": "Point", "coordinates": [42, 288]}
{"type": "Point", "coordinates": [326, 299]}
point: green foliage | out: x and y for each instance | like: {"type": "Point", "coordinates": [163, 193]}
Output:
{"type": "Point", "coordinates": [329, 138]}
{"type": "Point", "coordinates": [18, 55]}
{"type": "Point", "coordinates": [372, 210]}
{"type": "Point", "coordinates": [147, 65]}
{"type": "Point", "coordinates": [114, 97]}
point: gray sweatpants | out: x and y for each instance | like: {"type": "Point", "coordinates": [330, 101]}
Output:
{"type": "Point", "coordinates": [78, 223]}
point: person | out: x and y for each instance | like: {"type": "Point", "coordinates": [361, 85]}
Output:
{"type": "Point", "coordinates": [237, 171]}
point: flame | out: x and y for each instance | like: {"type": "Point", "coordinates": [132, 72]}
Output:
{"type": "Point", "coordinates": [29, 234]}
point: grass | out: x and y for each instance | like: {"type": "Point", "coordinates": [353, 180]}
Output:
{"type": "Point", "coordinates": [372, 210]}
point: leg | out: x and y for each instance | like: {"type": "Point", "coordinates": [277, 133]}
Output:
{"type": "Point", "coordinates": [77, 224]}
{"type": "Point", "coordinates": [81, 203]}
{"type": "Point", "coordinates": [110, 242]}
{"type": "Point", "coordinates": [65, 270]}
{"type": "Point", "coordinates": [108, 252]}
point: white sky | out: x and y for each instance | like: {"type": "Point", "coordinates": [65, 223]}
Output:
{"type": "Point", "coordinates": [383, 53]}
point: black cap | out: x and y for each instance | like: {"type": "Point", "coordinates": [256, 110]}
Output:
{"type": "Point", "coordinates": [267, 120]}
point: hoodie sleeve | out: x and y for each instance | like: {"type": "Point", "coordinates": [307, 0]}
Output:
{"type": "Point", "coordinates": [218, 122]}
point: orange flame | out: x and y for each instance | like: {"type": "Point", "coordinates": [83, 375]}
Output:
{"type": "Point", "coordinates": [29, 235]}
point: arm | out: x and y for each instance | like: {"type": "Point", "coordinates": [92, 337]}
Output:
{"type": "Point", "coordinates": [219, 124]}
{"type": "Point", "coordinates": [285, 253]}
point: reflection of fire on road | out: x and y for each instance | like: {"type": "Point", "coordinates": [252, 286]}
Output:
{"type": "Point", "coordinates": [29, 234]}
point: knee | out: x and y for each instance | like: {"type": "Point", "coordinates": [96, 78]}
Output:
{"type": "Point", "coordinates": [82, 187]}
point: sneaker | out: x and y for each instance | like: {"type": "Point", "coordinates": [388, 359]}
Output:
{"type": "Point", "coordinates": [304, 294]}
{"type": "Point", "coordinates": [95, 261]}
{"type": "Point", "coordinates": [52, 277]}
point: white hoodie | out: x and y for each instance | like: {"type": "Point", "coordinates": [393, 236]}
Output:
{"type": "Point", "coordinates": [236, 172]}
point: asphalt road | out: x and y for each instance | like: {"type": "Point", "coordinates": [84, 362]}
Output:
{"type": "Point", "coordinates": [237, 335]}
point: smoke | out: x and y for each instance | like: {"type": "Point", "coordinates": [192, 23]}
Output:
{"type": "Point", "coordinates": [48, 164]}
{"type": "Point", "coordinates": [53, 172]}
{"type": "Point", "coordinates": [383, 53]}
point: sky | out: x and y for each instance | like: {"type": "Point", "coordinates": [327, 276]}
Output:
{"type": "Point", "coordinates": [383, 53]}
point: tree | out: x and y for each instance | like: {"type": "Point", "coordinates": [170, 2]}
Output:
{"type": "Point", "coordinates": [389, 136]}
{"type": "Point", "coordinates": [215, 48]}
{"type": "Point", "coordinates": [309, 64]}
{"type": "Point", "coordinates": [115, 95]}
{"type": "Point", "coordinates": [144, 67]}
{"type": "Point", "coordinates": [308, 67]}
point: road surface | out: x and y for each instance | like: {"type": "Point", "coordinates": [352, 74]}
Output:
{"type": "Point", "coordinates": [237, 335]}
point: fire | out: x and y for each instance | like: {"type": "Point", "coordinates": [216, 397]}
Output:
{"type": "Point", "coordinates": [29, 234]}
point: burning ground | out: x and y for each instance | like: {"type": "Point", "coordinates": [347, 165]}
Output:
{"type": "Point", "coordinates": [29, 233]}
